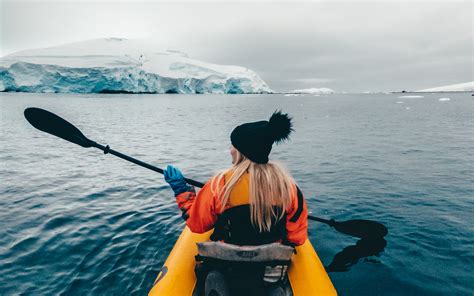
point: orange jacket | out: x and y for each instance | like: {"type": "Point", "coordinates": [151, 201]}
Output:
{"type": "Point", "coordinates": [201, 211]}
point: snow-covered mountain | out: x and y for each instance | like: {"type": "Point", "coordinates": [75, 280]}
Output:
{"type": "Point", "coordinates": [119, 65]}
{"type": "Point", "coordinates": [318, 91]}
{"type": "Point", "coordinates": [468, 86]}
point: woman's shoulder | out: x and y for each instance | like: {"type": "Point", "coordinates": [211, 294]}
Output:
{"type": "Point", "coordinates": [225, 175]}
{"type": "Point", "coordinates": [221, 176]}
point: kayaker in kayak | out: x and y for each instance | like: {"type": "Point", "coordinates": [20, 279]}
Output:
{"type": "Point", "coordinates": [255, 201]}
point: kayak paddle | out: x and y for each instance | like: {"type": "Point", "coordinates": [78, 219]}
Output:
{"type": "Point", "coordinates": [53, 124]}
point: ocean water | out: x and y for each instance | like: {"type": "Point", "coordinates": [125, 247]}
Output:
{"type": "Point", "coordinates": [77, 222]}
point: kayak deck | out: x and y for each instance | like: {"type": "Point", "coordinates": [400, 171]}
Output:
{"type": "Point", "coordinates": [306, 273]}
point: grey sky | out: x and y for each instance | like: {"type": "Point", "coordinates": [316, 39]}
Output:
{"type": "Point", "coordinates": [346, 46]}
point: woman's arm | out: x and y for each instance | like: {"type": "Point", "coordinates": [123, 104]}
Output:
{"type": "Point", "coordinates": [199, 210]}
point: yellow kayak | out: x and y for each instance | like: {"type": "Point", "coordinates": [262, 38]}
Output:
{"type": "Point", "coordinates": [306, 273]}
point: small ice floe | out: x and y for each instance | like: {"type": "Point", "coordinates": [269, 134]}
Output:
{"type": "Point", "coordinates": [400, 102]}
{"type": "Point", "coordinates": [444, 99]}
{"type": "Point", "coordinates": [410, 97]}
{"type": "Point", "coordinates": [408, 108]}
{"type": "Point", "coordinates": [291, 95]}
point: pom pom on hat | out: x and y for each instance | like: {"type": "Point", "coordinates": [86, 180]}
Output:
{"type": "Point", "coordinates": [280, 126]}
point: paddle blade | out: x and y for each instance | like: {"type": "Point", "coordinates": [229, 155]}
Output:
{"type": "Point", "coordinates": [52, 124]}
{"type": "Point", "coordinates": [361, 228]}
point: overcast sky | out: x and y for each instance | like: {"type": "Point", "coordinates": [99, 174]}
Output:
{"type": "Point", "coordinates": [346, 46]}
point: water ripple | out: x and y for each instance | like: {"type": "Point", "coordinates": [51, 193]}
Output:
{"type": "Point", "coordinates": [76, 221]}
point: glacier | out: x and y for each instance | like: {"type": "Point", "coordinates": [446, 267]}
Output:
{"type": "Point", "coordinates": [117, 65]}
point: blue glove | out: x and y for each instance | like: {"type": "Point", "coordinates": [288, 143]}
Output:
{"type": "Point", "coordinates": [175, 178]}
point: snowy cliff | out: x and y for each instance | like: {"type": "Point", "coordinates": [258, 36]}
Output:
{"type": "Point", "coordinates": [115, 65]}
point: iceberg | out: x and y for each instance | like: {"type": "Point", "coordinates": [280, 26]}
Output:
{"type": "Point", "coordinates": [410, 97]}
{"type": "Point", "coordinates": [116, 65]}
{"type": "Point", "coordinates": [313, 91]}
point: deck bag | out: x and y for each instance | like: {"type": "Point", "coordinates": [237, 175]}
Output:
{"type": "Point", "coordinates": [247, 270]}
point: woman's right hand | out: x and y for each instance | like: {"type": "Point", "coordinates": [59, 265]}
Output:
{"type": "Point", "coordinates": [175, 178]}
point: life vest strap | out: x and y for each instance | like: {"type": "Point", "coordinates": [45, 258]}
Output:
{"type": "Point", "coordinates": [297, 215]}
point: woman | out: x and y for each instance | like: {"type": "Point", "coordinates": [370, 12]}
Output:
{"type": "Point", "coordinates": [255, 201]}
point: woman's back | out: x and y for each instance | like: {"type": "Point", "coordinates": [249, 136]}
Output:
{"type": "Point", "coordinates": [234, 224]}
{"type": "Point", "coordinates": [266, 188]}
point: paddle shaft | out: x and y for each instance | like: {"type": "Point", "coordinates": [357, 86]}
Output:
{"type": "Point", "coordinates": [328, 222]}
{"type": "Point", "coordinates": [107, 150]}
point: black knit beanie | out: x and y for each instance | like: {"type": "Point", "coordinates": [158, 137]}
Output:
{"type": "Point", "coordinates": [255, 139]}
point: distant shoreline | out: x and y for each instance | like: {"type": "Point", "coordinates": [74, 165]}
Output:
{"type": "Point", "coordinates": [114, 92]}
{"type": "Point", "coordinates": [432, 92]}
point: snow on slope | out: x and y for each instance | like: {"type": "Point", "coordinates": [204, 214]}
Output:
{"type": "Point", "coordinates": [468, 86]}
{"type": "Point", "coordinates": [319, 91]}
{"type": "Point", "coordinates": [121, 65]}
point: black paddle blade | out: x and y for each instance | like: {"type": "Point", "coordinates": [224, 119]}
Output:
{"type": "Point", "coordinates": [361, 228]}
{"type": "Point", "coordinates": [52, 124]}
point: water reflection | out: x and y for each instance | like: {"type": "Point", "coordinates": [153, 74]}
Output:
{"type": "Point", "coordinates": [365, 247]}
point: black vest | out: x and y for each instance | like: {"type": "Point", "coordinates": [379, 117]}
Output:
{"type": "Point", "coordinates": [234, 226]}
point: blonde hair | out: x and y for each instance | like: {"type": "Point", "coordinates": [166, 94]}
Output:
{"type": "Point", "coordinates": [270, 185]}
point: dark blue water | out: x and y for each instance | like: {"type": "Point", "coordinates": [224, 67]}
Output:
{"type": "Point", "coordinates": [76, 221]}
